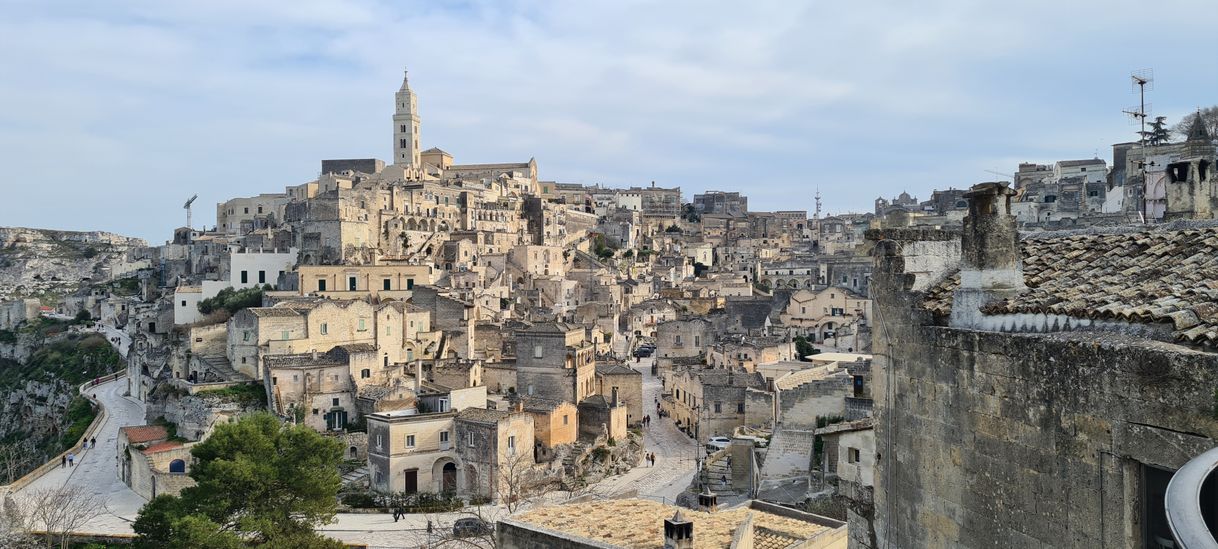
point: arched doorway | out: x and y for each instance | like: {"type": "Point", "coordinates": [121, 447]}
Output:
{"type": "Point", "coordinates": [177, 466]}
{"type": "Point", "coordinates": [448, 481]}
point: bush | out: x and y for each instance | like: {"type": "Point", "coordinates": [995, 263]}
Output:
{"type": "Point", "coordinates": [79, 415]}
{"type": "Point", "coordinates": [249, 394]}
{"type": "Point", "coordinates": [7, 336]}
{"type": "Point", "coordinates": [83, 316]}
{"type": "Point", "coordinates": [359, 500]}
{"type": "Point", "coordinates": [232, 300]}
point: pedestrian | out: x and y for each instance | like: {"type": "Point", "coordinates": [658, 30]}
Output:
{"type": "Point", "coordinates": [725, 480]}
{"type": "Point", "coordinates": [71, 457]}
{"type": "Point", "coordinates": [63, 462]}
{"type": "Point", "coordinates": [729, 462]}
{"type": "Point", "coordinates": [395, 513]}
{"type": "Point", "coordinates": [93, 442]}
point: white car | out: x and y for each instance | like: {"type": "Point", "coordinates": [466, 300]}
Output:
{"type": "Point", "coordinates": [718, 443]}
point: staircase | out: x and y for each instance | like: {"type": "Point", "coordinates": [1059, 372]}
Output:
{"type": "Point", "coordinates": [577, 451]}
{"type": "Point", "coordinates": [355, 476]}
{"type": "Point", "coordinates": [715, 471]}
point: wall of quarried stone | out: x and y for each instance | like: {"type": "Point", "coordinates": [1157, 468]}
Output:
{"type": "Point", "coordinates": [988, 439]}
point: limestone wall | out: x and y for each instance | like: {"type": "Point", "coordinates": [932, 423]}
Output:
{"type": "Point", "coordinates": [987, 439]}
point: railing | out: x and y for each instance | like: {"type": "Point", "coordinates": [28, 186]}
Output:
{"type": "Point", "coordinates": [1183, 502]}
{"type": "Point", "coordinates": [91, 432]}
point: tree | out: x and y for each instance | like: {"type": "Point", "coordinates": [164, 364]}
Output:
{"type": "Point", "coordinates": [83, 316]}
{"type": "Point", "coordinates": [1158, 133]}
{"type": "Point", "coordinates": [16, 458]}
{"type": "Point", "coordinates": [803, 348]}
{"type": "Point", "coordinates": [1209, 117]}
{"type": "Point", "coordinates": [59, 512]}
{"type": "Point", "coordinates": [258, 482]}
{"type": "Point", "coordinates": [233, 300]}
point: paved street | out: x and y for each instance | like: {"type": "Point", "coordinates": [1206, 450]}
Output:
{"type": "Point", "coordinates": [96, 470]}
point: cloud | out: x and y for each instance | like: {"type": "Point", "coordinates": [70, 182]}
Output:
{"type": "Point", "coordinates": [115, 112]}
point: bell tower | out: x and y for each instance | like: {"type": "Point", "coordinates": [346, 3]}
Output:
{"type": "Point", "coordinates": [406, 127]}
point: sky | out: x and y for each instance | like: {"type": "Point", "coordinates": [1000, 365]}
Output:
{"type": "Point", "coordinates": [114, 113]}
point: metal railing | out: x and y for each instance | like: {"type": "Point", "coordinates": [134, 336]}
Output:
{"type": "Point", "coordinates": [1183, 502]}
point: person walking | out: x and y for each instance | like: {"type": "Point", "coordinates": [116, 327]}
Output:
{"type": "Point", "coordinates": [93, 442]}
{"type": "Point", "coordinates": [71, 457]}
{"type": "Point", "coordinates": [63, 462]}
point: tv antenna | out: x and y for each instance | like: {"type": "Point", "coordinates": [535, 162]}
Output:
{"type": "Point", "coordinates": [1006, 175]}
{"type": "Point", "coordinates": [1140, 82]}
{"type": "Point", "coordinates": [187, 207]}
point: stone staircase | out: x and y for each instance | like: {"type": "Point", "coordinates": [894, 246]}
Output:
{"type": "Point", "coordinates": [355, 476]}
{"type": "Point", "coordinates": [578, 449]}
{"type": "Point", "coordinates": [715, 471]}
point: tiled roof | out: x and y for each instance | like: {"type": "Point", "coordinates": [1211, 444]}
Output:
{"type": "Point", "coordinates": [162, 447]}
{"type": "Point", "coordinates": [1165, 275]}
{"type": "Point", "coordinates": [482, 415]}
{"type": "Point", "coordinates": [139, 434]}
{"type": "Point", "coordinates": [273, 311]}
{"type": "Point", "coordinates": [615, 370]}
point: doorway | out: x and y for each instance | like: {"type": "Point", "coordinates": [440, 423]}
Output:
{"type": "Point", "coordinates": [412, 481]}
{"type": "Point", "coordinates": [448, 481]}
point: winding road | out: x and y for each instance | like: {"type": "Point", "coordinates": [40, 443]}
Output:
{"type": "Point", "coordinates": [96, 471]}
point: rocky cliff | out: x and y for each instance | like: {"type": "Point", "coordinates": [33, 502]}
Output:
{"type": "Point", "coordinates": [37, 262]}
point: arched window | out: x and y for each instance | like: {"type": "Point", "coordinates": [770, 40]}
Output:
{"type": "Point", "coordinates": [177, 466]}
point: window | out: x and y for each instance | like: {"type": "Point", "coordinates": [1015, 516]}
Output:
{"type": "Point", "coordinates": [512, 442]}
{"type": "Point", "coordinates": [334, 401]}
{"type": "Point", "coordinates": [321, 285]}
{"type": "Point", "coordinates": [365, 373]}
{"type": "Point", "coordinates": [274, 380]}
{"type": "Point", "coordinates": [538, 351]}
{"type": "Point", "coordinates": [469, 438]}
{"type": "Point", "coordinates": [402, 143]}
{"type": "Point", "coordinates": [718, 407]}
{"type": "Point", "coordinates": [286, 334]}
{"type": "Point", "coordinates": [852, 455]}
{"type": "Point", "coordinates": [443, 437]}
{"type": "Point", "coordinates": [325, 328]}
{"type": "Point", "coordinates": [388, 330]}
{"type": "Point", "coordinates": [739, 407]}
{"type": "Point", "coordinates": [262, 277]}
{"type": "Point", "coordinates": [402, 128]}
{"type": "Point", "coordinates": [530, 391]}
{"type": "Point", "coordinates": [247, 210]}
{"type": "Point", "coordinates": [315, 411]}
{"type": "Point", "coordinates": [409, 283]}
{"type": "Point", "coordinates": [245, 277]}
{"type": "Point", "coordinates": [564, 419]}
{"type": "Point", "coordinates": [351, 283]}
{"type": "Point", "coordinates": [410, 441]}
{"type": "Point", "coordinates": [259, 209]}
{"type": "Point", "coordinates": [361, 325]}
{"type": "Point", "coordinates": [385, 284]}
{"type": "Point", "coordinates": [677, 339]}
{"type": "Point", "coordinates": [183, 302]}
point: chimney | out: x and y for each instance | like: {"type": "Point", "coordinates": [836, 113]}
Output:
{"type": "Point", "coordinates": [614, 401]}
{"type": "Point", "coordinates": [991, 264]}
{"type": "Point", "coordinates": [418, 377]}
{"type": "Point", "coordinates": [678, 532]}
{"type": "Point", "coordinates": [518, 404]}
{"type": "Point", "coordinates": [708, 500]}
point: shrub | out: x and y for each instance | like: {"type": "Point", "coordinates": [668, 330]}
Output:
{"type": "Point", "coordinates": [232, 300]}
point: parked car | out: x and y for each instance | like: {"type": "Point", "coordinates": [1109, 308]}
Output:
{"type": "Point", "coordinates": [718, 443]}
{"type": "Point", "coordinates": [470, 527]}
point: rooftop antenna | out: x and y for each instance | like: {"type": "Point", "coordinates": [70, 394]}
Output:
{"type": "Point", "coordinates": [187, 207]}
{"type": "Point", "coordinates": [1140, 82]}
{"type": "Point", "coordinates": [817, 214]}
{"type": "Point", "coordinates": [1006, 175]}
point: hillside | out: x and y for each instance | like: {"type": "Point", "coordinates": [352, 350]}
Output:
{"type": "Point", "coordinates": [41, 262]}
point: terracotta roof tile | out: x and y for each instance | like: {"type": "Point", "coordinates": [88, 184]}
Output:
{"type": "Point", "coordinates": [1161, 275]}
{"type": "Point", "coordinates": [139, 434]}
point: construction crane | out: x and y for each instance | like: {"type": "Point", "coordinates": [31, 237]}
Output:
{"type": "Point", "coordinates": [187, 207]}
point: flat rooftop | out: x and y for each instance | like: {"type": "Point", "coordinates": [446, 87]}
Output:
{"type": "Point", "coordinates": [639, 523]}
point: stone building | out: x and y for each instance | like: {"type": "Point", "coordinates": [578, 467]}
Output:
{"type": "Point", "coordinates": [496, 447]}
{"type": "Point", "coordinates": [151, 464]}
{"type": "Point", "coordinates": [1038, 391]}
{"type": "Point", "coordinates": [626, 385]}
{"type": "Point", "coordinates": [709, 402]}
{"type": "Point", "coordinates": [819, 314]}
{"type": "Point", "coordinates": [554, 361]}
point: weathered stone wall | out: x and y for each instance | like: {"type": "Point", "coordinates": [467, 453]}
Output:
{"type": "Point", "coordinates": [1015, 440]}
{"type": "Point", "coordinates": [800, 406]}
{"type": "Point", "coordinates": [758, 408]}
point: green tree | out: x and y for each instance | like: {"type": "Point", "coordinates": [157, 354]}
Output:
{"type": "Point", "coordinates": [804, 348]}
{"type": "Point", "coordinates": [233, 300]}
{"type": "Point", "coordinates": [259, 482]}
